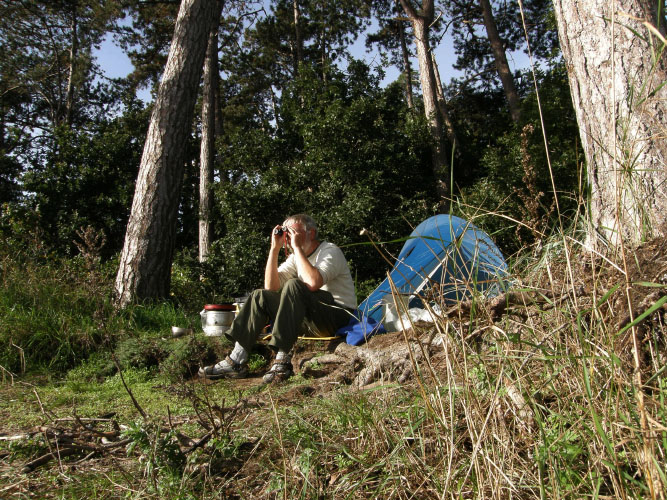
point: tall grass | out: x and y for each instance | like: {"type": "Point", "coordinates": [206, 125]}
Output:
{"type": "Point", "coordinates": [541, 404]}
{"type": "Point", "coordinates": [55, 312]}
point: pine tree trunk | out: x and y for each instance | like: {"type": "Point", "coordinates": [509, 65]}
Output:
{"type": "Point", "coordinates": [503, 69]}
{"type": "Point", "coordinates": [73, 54]}
{"type": "Point", "coordinates": [615, 80]}
{"type": "Point", "coordinates": [444, 109]}
{"type": "Point", "coordinates": [407, 67]}
{"type": "Point", "coordinates": [145, 262]}
{"type": "Point", "coordinates": [298, 53]}
{"type": "Point", "coordinates": [207, 151]}
{"type": "Point", "coordinates": [420, 25]}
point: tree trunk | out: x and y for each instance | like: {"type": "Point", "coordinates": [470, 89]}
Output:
{"type": "Point", "coordinates": [420, 25]}
{"type": "Point", "coordinates": [444, 109]}
{"type": "Point", "coordinates": [407, 67]}
{"type": "Point", "coordinates": [298, 54]}
{"type": "Point", "coordinates": [207, 151]}
{"type": "Point", "coordinates": [73, 54]}
{"type": "Point", "coordinates": [145, 262]}
{"type": "Point", "coordinates": [615, 79]}
{"type": "Point", "coordinates": [501, 60]}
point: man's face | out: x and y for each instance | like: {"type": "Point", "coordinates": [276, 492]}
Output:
{"type": "Point", "coordinates": [296, 233]}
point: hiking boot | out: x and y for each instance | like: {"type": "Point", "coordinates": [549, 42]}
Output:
{"type": "Point", "coordinates": [227, 368]}
{"type": "Point", "coordinates": [281, 370]}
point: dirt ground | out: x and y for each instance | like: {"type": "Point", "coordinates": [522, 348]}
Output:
{"type": "Point", "coordinates": [622, 292]}
{"type": "Point", "coordinates": [578, 288]}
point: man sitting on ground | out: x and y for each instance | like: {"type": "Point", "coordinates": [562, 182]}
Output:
{"type": "Point", "coordinates": [313, 286]}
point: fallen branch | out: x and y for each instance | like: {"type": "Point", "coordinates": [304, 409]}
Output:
{"type": "Point", "coordinates": [31, 466]}
{"type": "Point", "coordinates": [122, 379]}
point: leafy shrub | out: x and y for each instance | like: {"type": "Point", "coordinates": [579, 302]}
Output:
{"type": "Point", "coordinates": [188, 354]}
{"type": "Point", "coordinates": [350, 154]}
{"type": "Point", "coordinates": [141, 352]}
{"type": "Point", "coordinates": [52, 312]}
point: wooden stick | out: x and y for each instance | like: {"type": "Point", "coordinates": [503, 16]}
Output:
{"type": "Point", "coordinates": [122, 379]}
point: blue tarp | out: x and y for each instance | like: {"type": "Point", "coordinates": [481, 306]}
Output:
{"type": "Point", "coordinates": [445, 255]}
{"type": "Point", "coordinates": [360, 329]}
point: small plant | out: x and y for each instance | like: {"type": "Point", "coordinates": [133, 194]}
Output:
{"type": "Point", "coordinates": [157, 449]}
{"type": "Point", "coordinates": [187, 355]}
{"type": "Point", "coordinates": [256, 362]}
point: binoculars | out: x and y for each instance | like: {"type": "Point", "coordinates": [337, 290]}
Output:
{"type": "Point", "coordinates": [279, 231]}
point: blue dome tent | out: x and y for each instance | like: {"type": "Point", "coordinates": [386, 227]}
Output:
{"type": "Point", "coordinates": [446, 256]}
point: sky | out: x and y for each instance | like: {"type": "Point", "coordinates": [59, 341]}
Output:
{"type": "Point", "coordinates": [116, 64]}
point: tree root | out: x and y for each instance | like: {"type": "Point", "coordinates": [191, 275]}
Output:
{"type": "Point", "coordinates": [363, 365]}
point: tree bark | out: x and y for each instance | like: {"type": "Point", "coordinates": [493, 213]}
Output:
{"type": "Point", "coordinates": [73, 54]}
{"type": "Point", "coordinates": [207, 151]}
{"type": "Point", "coordinates": [298, 54]}
{"type": "Point", "coordinates": [504, 72]}
{"type": "Point", "coordinates": [615, 78]}
{"type": "Point", "coordinates": [444, 109]}
{"type": "Point", "coordinates": [407, 67]}
{"type": "Point", "coordinates": [420, 25]}
{"type": "Point", "coordinates": [145, 262]}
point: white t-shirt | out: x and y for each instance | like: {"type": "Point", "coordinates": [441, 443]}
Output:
{"type": "Point", "coordinates": [330, 262]}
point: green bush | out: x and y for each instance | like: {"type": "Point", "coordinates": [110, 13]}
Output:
{"type": "Point", "coordinates": [517, 179]}
{"type": "Point", "coordinates": [56, 312]}
{"type": "Point", "coordinates": [347, 152]}
{"type": "Point", "coordinates": [188, 354]}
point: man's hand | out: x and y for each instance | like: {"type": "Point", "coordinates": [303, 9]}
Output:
{"type": "Point", "coordinates": [297, 237]}
{"type": "Point", "coordinates": [301, 245]}
{"type": "Point", "coordinates": [271, 278]}
{"type": "Point", "coordinates": [278, 240]}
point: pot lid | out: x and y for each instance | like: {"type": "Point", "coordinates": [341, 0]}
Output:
{"type": "Point", "coordinates": [219, 307]}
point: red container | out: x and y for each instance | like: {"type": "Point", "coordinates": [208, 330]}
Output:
{"type": "Point", "coordinates": [219, 307]}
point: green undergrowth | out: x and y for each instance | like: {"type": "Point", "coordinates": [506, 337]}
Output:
{"type": "Point", "coordinates": [57, 314]}
{"type": "Point", "coordinates": [82, 392]}
{"type": "Point", "coordinates": [559, 397]}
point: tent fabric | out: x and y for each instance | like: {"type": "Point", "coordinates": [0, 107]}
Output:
{"type": "Point", "coordinates": [360, 329]}
{"type": "Point", "coordinates": [446, 256]}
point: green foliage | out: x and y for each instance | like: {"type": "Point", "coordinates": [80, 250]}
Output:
{"type": "Point", "coordinates": [563, 446]}
{"type": "Point", "coordinates": [57, 312]}
{"type": "Point", "coordinates": [256, 362]}
{"type": "Point", "coordinates": [190, 289]}
{"type": "Point", "coordinates": [53, 312]}
{"type": "Point", "coordinates": [471, 44]}
{"type": "Point", "coordinates": [347, 152]}
{"type": "Point", "coordinates": [188, 354]}
{"type": "Point", "coordinates": [176, 359]}
{"type": "Point", "coordinates": [364, 288]}
{"type": "Point", "coordinates": [9, 173]}
{"type": "Point", "coordinates": [516, 175]}
{"type": "Point", "coordinates": [95, 369]}
{"type": "Point", "coordinates": [88, 180]}
{"type": "Point", "coordinates": [159, 451]}
{"type": "Point", "coordinates": [141, 352]}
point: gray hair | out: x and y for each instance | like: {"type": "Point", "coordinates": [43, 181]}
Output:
{"type": "Point", "coordinates": [306, 220]}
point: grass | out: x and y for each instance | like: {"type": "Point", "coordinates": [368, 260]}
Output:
{"type": "Point", "coordinates": [541, 403]}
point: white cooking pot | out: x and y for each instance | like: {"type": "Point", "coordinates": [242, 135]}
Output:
{"type": "Point", "coordinates": [216, 319]}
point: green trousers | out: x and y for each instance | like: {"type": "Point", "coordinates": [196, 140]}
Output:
{"type": "Point", "coordinates": [287, 310]}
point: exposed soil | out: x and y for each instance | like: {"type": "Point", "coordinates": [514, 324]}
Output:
{"type": "Point", "coordinates": [585, 281]}
{"type": "Point", "coordinates": [582, 290]}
